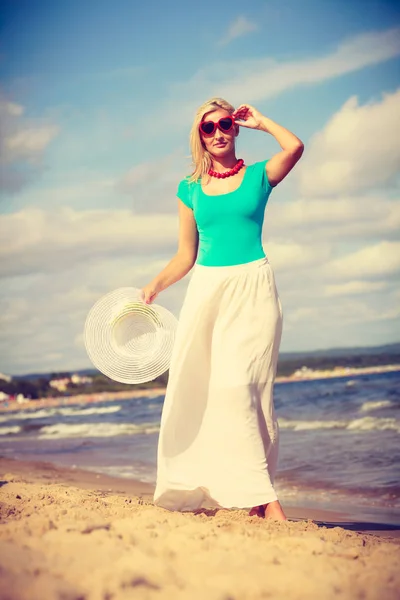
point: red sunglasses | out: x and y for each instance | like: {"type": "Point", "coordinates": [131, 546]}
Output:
{"type": "Point", "coordinates": [224, 124]}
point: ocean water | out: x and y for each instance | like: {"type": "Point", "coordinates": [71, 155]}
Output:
{"type": "Point", "coordinates": [339, 441]}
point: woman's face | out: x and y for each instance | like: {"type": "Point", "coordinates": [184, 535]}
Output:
{"type": "Point", "coordinates": [219, 143]}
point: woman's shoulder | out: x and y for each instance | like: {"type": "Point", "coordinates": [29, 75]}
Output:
{"type": "Point", "coordinates": [259, 165]}
{"type": "Point", "coordinates": [185, 190]}
{"type": "Point", "coordinates": [183, 186]}
{"type": "Point", "coordinates": [187, 182]}
{"type": "Point", "coordinates": [258, 173]}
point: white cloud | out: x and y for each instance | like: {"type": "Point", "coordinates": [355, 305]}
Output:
{"type": "Point", "coordinates": [315, 320]}
{"type": "Point", "coordinates": [338, 218]}
{"type": "Point", "coordinates": [22, 144]}
{"type": "Point", "coordinates": [352, 288]}
{"type": "Point", "coordinates": [54, 306]}
{"type": "Point", "coordinates": [357, 150]}
{"type": "Point", "coordinates": [11, 108]}
{"type": "Point", "coordinates": [22, 138]}
{"type": "Point", "coordinates": [136, 175]}
{"type": "Point", "coordinates": [382, 259]}
{"type": "Point", "coordinates": [28, 143]}
{"type": "Point", "coordinates": [75, 189]}
{"type": "Point", "coordinates": [291, 256]}
{"type": "Point", "coordinates": [341, 315]}
{"type": "Point", "coordinates": [266, 78]}
{"type": "Point", "coordinates": [152, 193]}
{"type": "Point", "coordinates": [238, 28]}
{"type": "Point", "coordinates": [35, 240]}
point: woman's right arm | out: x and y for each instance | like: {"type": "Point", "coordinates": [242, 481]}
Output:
{"type": "Point", "coordinates": [183, 260]}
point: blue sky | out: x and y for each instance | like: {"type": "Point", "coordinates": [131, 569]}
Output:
{"type": "Point", "coordinates": [96, 102]}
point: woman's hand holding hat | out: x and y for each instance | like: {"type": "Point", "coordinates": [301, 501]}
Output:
{"type": "Point", "coordinates": [127, 340]}
{"type": "Point", "coordinates": [150, 293]}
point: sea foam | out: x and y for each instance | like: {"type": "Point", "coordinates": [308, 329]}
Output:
{"type": "Point", "coordinates": [362, 424]}
{"type": "Point", "coordinates": [87, 430]}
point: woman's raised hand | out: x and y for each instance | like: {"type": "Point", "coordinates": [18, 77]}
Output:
{"type": "Point", "coordinates": [248, 116]}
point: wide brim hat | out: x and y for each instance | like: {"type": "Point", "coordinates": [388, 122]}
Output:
{"type": "Point", "coordinates": [128, 340]}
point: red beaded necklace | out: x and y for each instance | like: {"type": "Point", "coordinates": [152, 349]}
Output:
{"type": "Point", "coordinates": [229, 173]}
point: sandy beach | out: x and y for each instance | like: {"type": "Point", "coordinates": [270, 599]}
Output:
{"type": "Point", "coordinates": [75, 535]}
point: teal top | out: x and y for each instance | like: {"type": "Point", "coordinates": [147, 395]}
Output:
{"type": "Point", "coordinates": [229, 225]}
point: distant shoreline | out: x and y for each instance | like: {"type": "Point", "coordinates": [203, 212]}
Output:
{"type": "Point", "coordinates": [82, 398]}
{"type": "Point", "coordinates": [318, 374]}
{"type": "Point", "coordinates": [308, 375]}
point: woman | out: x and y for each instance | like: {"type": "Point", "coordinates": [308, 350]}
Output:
{"type": "Point", "coordinates": [218, 442]}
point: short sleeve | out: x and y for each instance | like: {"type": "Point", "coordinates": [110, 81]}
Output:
{"type": "Point", "coordinates": [265, 182]}
{"type": "Point", "coordinates": [183, 193]}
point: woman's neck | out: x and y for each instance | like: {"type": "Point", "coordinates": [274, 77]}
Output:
{"type": "Point", "coordinates": [222, 163]}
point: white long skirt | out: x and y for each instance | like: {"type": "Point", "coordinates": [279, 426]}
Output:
{"type": "Point", "coordinates": [219, 434]}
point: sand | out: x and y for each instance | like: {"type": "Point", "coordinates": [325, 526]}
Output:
{"type": "Point", "coordinates": [73, 535]}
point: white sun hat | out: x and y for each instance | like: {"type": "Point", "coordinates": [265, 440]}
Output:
{"type": "Point", "coordinates": [128, 340]}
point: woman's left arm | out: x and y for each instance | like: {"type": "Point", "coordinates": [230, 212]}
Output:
{"type": "Point", "coordinates": [292, 147]}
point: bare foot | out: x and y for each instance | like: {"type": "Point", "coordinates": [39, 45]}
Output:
{"type": "Point", "coordinates": [257, 511]}
{"type": "Point", "coordinates": [273, 510]}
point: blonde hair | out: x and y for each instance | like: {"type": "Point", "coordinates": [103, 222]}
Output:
{"type": "Point", "coordinates": [201, 158]}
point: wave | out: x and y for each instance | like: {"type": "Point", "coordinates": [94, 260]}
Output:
{"type": "Point", "coordinates": [362, 424]}
{"type": "Point", "coordinates": [67, 411]}
{"type": "Point", "coordinates": [145, 473]}
{"type": "Point", "coordinates": [375, 405]}
{"type": "Point", "coordinates": [9, 430]}
{"type": "Point", "coordinates": [25, 415]}
{"type": "Point", "coordinates": [103, 410]}
{"type": "Point", "coordinates": [84, 430]}
{"type": "Point", "coordinates": [87, 430]}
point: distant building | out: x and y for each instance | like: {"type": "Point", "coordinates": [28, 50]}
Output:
{"type": "Point", "coordinates": [60, 384]}
{"type": "Point", "coordinates": [20, 398]}
{"type": "Point", "coordinates": [5, 377]}
{"type": "Point", "coordinates": [303, 372]}
{"type": "Point", "coordinates": [79, 380]}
